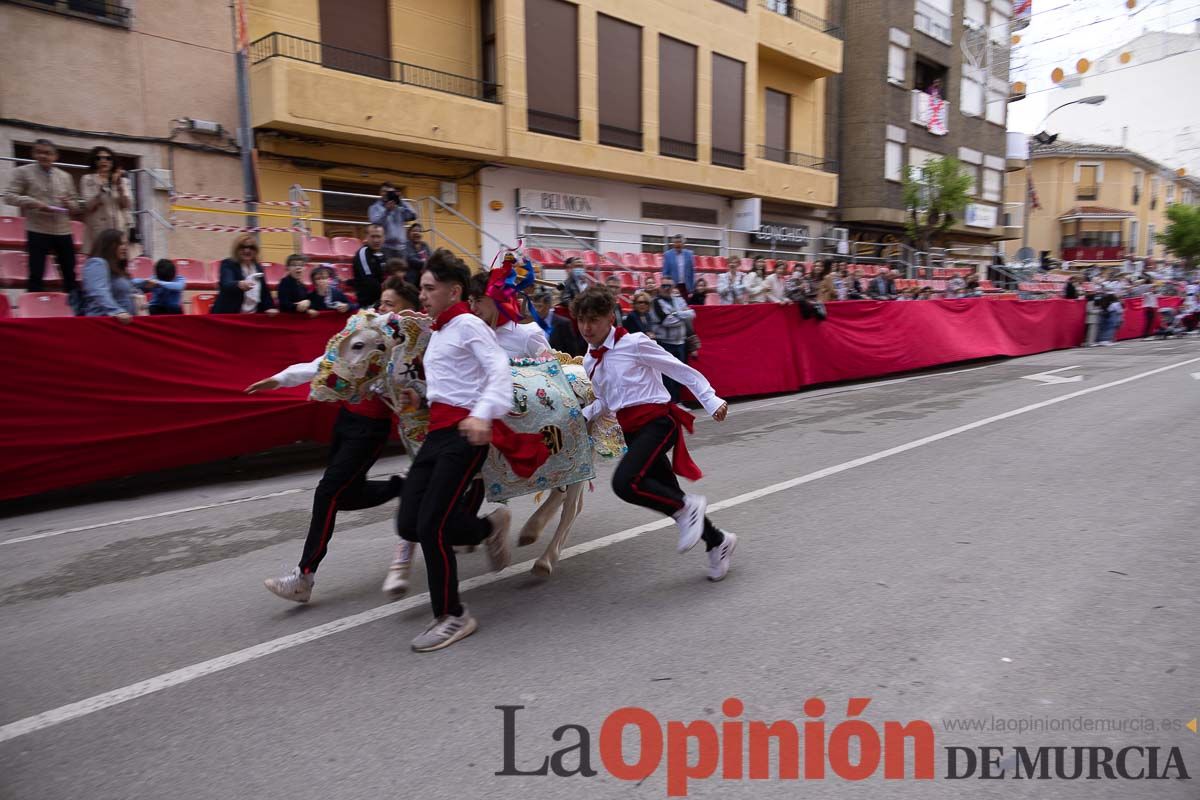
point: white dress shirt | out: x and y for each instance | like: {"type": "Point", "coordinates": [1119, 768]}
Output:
{"type": "Point", "coordinates": [522, 340]}
{"type": "Point", "coordinates": [299, 374]}
{"type": "Point", "coordinates": [630, 374]}
{"type": "Point", "coordinates": [465, 367]}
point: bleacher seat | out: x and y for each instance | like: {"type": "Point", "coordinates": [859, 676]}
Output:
{"type": "Point", "coordinates": [14, 268]}
{"type": "Point", "coordinates": [316, 248]}
{"type": "Point", "coordinates": [51, 276]}
{"type": "Point", "coordinates": [712, 299]}
{"type": "Point", "coordinates": [631, 260]}
{"type": "Point", "coordinates": [141, 267]}
{"type": "Point", "coordinates": [202, 303]}
{"type": "Point", "coordinates": [12, 231]}
{"type": "Point", "coordinates": [344, 247]}
{"type": "Point", "coordinates": [77, 230]}
{"type": "Point", "coordinates": [746, 265]}
{"type": "Point", "coordinates": [572, 254]}
{"type": "Point", "coordinates": [625, 303]}
{"type": "Point", "coordinates": [613, 258]}
{"type": "Point", "coordinates": [536, 254]}
{"type": "Point", "coordinates": [628, 280]}
{"type": "Point", "coordinates": [35, 305]}
{"type": "Point", "coordinates": [591, 259]}
{"type": "Point", "coordinates": [273, 271]}
{"type": "Point", "coordinates": [198, 274]}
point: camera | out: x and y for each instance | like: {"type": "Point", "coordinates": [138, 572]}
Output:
{"type": "Point", "coordinates": [392, 197]}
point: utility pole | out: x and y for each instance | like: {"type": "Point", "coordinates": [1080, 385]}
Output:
{"type": "Point", "coordinates": [245, 136]}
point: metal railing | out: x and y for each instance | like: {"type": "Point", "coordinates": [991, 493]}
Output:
{"type": "Point", "coordinates": [676, 148]}
{"type": "Point", "coordinates": [733, 159]}
{"type": "Point", "coordinates": [786, 9]}
{"type": "Point", "coordinates": [552, 124]}
{"type": "Point", "coordinates": [1087, 192]}
{"type": "Point", "coordinates": [281, 45]}
{"type": "Point", "coordinates": [781, 156]}
{"type": "Point", "coordinates": [615, 136]}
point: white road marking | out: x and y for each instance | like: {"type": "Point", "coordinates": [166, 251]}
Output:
{"type": "Point", "coordinates": [48, 534]}
{"type": "Point", "coordinates": [1049, 378]}
{"type": "Point", "coordinates": [1196, 375]}
{"type": "Point", "coordinates": [99, 702]}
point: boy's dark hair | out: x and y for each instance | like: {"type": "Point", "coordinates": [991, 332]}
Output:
{"type": "Point", "coordinates": [478, 287]}
{"type": "Point", "coordinates": [319, 271]}
{"type": "Point", "coordinates": [409, 293]}
{"type": "Point", "coordinates": [593, 302]}
{"type": "Point", "coordinates": [395, 266]}
{"type": "Point", "coordinates": [448, 268]}
{"type": "Point", "coordinates": [164, 269]}
{"type": "Point", "coordinates": [303, 259]}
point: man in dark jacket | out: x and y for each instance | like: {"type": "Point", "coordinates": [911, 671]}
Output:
{"type": "Point", "coordinates": [416, 253]}
{"type": "Point", "coordinates": [882, 287]}
{"type": "Point", "coordinates": [370, 268]}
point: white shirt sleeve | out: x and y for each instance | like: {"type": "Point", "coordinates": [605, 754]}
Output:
{"type": "Point", "coordinates": [496, 400]}
{"type": "Point", "coordinates": [298, 374]}
{"type": "Point", "coordinates": [652, 355]}
{"type": "Point", "coordinates": [594, 409]}
{"type": "Point", "coordinates": [537, 343]}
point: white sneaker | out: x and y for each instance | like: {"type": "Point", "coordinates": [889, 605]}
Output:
{"type": "Point", "coordinates": [294, 586]}
{"type": "Point", "coordinates": [690, 520]}
{"type": "Point", "coordinates": [445, 631]}
{"type": "Point", "coordinates": [396, 581]}
{"type": "Point", "coordinates": [497, 542]}
{"type": "Point", "coordinates": [721, 557]}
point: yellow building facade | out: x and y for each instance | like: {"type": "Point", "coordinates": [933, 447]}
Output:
{"type": "Point", "coordinates": [447, 99]}
{"type": "Point", "coordinates": [1098, 203]}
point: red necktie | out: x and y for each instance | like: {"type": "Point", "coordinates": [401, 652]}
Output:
{"type": "Point", "coordinates": [598, 353]}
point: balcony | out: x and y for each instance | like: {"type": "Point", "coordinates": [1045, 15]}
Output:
{"type": "Point", "coordinates": [1087, 192]}
{"type": "Point", "coordinates": [812, 43]}
{"type": "Point", "coordinates": [930, 113]}
{"type": "Point", "coordinates": [305, 86]}
{"type": "Point", "coordinates": [1016, 151]}
{"type": "Point", "coordinates": [1094, 253]}
{"type": "Point", "coordinates": [796, 159]}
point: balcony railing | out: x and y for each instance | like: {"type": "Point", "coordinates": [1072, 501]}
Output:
{"type": "Point", "coordinates": [553, 124]}
{"type": "Point", "coordinates": [786, 9]}
{"type": "Point", "coordinates": [281, 45]}
{"type": "Point", "coordinates": [1072, 252]}
{"type": "Point", "coordinates": [728, 158]}
{"type": "Point", "coordinates": [796, 159]}
{"type": "Point", "coordinates": [930, 113]}
{"type": "Point", "coordinates": [933, 22]}
{"type": "Point", "coordinates": [1087, 192]}
{"type": "Point", "coordinates": [615, 136]}
{"type": "Point", "coordinates": [676, 148]}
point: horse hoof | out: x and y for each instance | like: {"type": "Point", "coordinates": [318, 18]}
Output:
{"type": "Point", "coordinates": [542, 568]}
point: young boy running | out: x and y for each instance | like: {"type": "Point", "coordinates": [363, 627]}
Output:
{"type": "Point", "coordinates": [626, 371]}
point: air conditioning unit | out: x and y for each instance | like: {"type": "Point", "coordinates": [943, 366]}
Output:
{"type": "Point", "coordinates": [841, 234]}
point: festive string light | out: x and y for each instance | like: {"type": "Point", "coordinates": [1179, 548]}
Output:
{"type": "Point", "coordinates": [1082, 65]}
{"type": "Point", "coordinates": [1126, 57]}
{"type": "Point", "coordinates": [1057, 75]}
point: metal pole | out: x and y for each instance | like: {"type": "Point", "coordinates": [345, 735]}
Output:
{"type": "Point", "coordinates": [1025, 214]}
{"type": "Point", "coordinates": [245, 136]}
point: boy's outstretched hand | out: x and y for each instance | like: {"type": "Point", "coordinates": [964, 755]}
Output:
{"type": "Point", "coordinates": [720, 414]}
{"type": "Point", "coordinates": [262, 386]}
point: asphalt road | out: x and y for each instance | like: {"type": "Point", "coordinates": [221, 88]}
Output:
{"type": "Point", "coordinates": [961, 545]}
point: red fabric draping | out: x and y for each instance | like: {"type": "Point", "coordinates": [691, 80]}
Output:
{"type": "Point", "coordinates": [86, 399]}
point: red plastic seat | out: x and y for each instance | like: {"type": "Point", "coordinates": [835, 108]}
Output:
{"type": "Point", "coordinates": [625, 303]}
{"type": "Point", "coordinates": [628, 280]}
{"type": "Point", "coordinates": [77, 234]}
{"type": "Point", "coordinates": [141, 267]}
{"type": "Point", "coordinates": [631, 260]}
{"type": "Point", "coordinates": [12, 231]}
{"type": "Point", "coordinates": [316, 247]}
{"type": "Point", "coordinates": [202, 303]}
{"type": "Point", "coordinates": [273, 272]}
{"type": "Point", "coordinates": [36, 305]}
{"type": "Point", "coordinates": [5, 307]}
{"type": "Point", "coordinates": [591, 259]}
{"type": "Point", "coordinates": [536, 254]}
{"type": "Point", "coordinates": [572, 254]}
{"type": "Point", "coordinates": [51, 276]}
{"type": "Point", "coordinates": [746, 265]}
{"type": "Point", "coordinates": [613, 258]}
{"type": "Point", "coordinates": [14, 268]}
{"type": "Point", "coordinates": [712, 299]}
{"type": "Point", "coordinates": [344, 247]}
{"type": "Point", "coordinates": [198, 274]}
{"type": "Point", "coordinates": [650, 262]}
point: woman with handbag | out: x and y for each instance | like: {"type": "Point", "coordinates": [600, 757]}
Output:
{"type": "Point", "coordinates": [107, 198]}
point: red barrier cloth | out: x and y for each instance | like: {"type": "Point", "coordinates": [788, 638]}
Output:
{"type": "Point", "coordinates": [87, 399]}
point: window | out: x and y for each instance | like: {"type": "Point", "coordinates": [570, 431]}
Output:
{"type": "Point", "coordinates": [933, 18]}
{"type": "Point", "coordinates": [356, 35]}
{"type": "Point", "coordinates": [1149, 240]}
{"type": "Point", "coordinates": [992, 180]}
{"type": "Point", "coordinates": [1139, 179]}
{"type": "Point", "coordinates": [728, 111]}
{"type": "Point", "coordinates": [700, 216]}
{"type": "Point", "coordinates": [1087, 181]}
{"type": "Point", "coordinates": [971, 96]}
{"type": "Point", "coordinates": [893, 153]}
{"type": "Point", "coordinates": [1170, 193]}
{"type": "Point", "coordinates": [777, 133]}
{"type": "Point", "coordinates": [738, 4]}
{"type": "Point", "coordinates": [997, 103]}
{"type": "Point", "coordinates": [998, 30]}
{"type": "Point", "coordinates": [1187, 197]}
{"type": "Point", "coordinates": [1133, 236]}
{"type": "Point", "coordinates": [677, 98]}
{"type": "Point", "coordinates": [898, 43]}
{"type": "Point", "coordinates": [350, 212]}
{"type": "Point", "coordinates": [971, 171]}
{"type": "Point", "coordinates": [620, 83]}
{"type": "Point", "coordinates": [548, 237]}
{"type": "Point", "coordinates": [487, 53]}
{"type": "Point", "coordinates": [700, 247]}
{"type": "Point", "coordinates": [975, 13]}
{"type": "Point", "coordinates": [110, 11]}
{"type": "Point", "coordinates": [552, 67]}
{"type": "Point", "coordinates": [927, 73]}
{"type": "Point", "coordinates": [1154, 181]}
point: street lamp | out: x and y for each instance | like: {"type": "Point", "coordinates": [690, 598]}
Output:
{"type": "Point", "coordinates": [1044, 138]}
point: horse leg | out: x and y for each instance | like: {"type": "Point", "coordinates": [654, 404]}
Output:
{"type": "Point", "coordinates": [536, 523]}
{"type": "Point", "coordinates": [572, 507]}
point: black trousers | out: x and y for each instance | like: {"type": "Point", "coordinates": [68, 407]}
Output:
{"type": "Point", "coordinates": [357, 443]}
{"type": "Point", "coordinates": [433, 511]}
{"type": "Point", "coordinates": [680, 353]}
{"type": "Point", "coordinates": [164, 310]}
{"type": "Point", "coordinates": [40, 245]}
{"type": "Point", "coordinates": [1151, 321]}
{"type": "Point", "coordinates": [645, 476]}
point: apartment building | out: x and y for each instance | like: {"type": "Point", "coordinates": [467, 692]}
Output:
{"type": "Point", "coordinates": [606, 123]}
{"type": "Point", "coordinates": [928, 78]}
{"type": "Point", "coordinates": [1097, 203]}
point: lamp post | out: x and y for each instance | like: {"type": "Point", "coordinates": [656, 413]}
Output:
{"type": "Point", "coordinates": [1044, 138]}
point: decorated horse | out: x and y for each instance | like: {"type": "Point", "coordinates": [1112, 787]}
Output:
{"type": "Point", "coordinates": [383, 353]}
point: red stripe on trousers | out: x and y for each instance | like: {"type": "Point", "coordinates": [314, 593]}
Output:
{"type": "Point", "coordinates": [333, 505]}
{"type": "Point", "coordinates": [633, 484]}
{"type": "Point", "coordinates": [442, 527]}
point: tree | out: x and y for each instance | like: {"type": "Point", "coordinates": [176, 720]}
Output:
{"type": "Point", "coordinates": [934, 195]}
{"type": "Point", "coordinates": [1182, 236]}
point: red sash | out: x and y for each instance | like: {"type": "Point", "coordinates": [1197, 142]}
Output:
{"type": "Point", "coordinates": [371, 407]}
{"type": "Point", "coordinates": [634, 418]}
{"type": "Point", "coordinates": [525, 452]}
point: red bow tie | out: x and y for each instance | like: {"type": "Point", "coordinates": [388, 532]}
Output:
{"type": "Point", "coordinates": [598, 352]}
